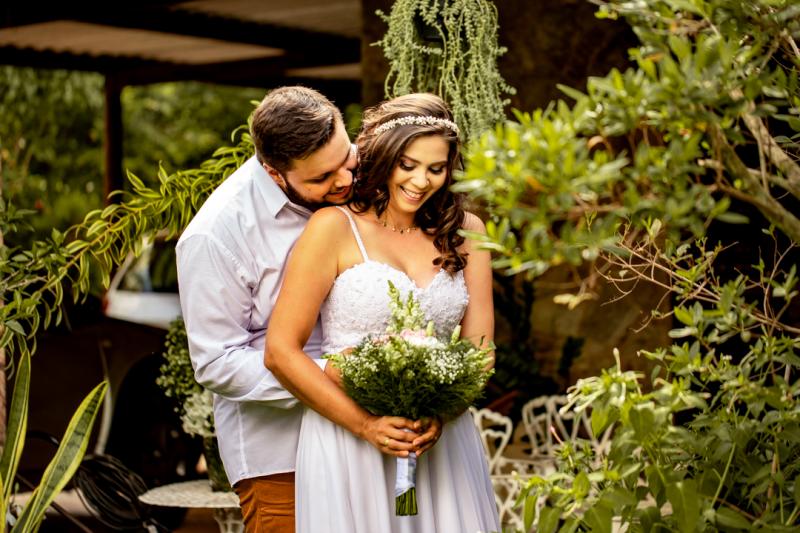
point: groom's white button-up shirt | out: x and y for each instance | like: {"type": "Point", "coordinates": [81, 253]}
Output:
{"type": "Point", "coordinates": [231, 263]}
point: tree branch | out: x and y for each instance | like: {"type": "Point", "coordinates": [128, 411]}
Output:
{"type": "Point", "coordinates": [758, 197]}
{"type": "Point", "coordinates": [775, 154]}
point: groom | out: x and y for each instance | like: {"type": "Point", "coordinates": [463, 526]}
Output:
{"type": "Point", "coordinates": [231, 261]}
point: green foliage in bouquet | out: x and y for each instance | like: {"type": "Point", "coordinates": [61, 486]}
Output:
{"type": "Point", "coordinates": [411, 373]}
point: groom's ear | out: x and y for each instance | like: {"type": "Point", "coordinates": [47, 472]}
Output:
{"type": "Point", "coordinates": [276, 176]}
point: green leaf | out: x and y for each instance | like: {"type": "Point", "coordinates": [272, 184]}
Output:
{"type": "Point", "coordinates": [648, 518]}
{"type": "Point", "coordinates": [598, 519]}
{"type": "Point", "coordinates": [684, 316]}
{"type": "Point", "coordinates": [642, 419]}
{"type": "Point", "coordinates": [581, 485]}
{"type": "Point", "coordinates": [733, 218]}
{"type": "Point", "coordinates": [76, 246]}
{"type": "Point", "coordinates": [599, 419]}
{"type": "Point", "coordinates": [529, 510]}
{"type": "Point", "coordinates": [617, 497]}
{"type": "Point", "coordinates": [655, 482]}
{"type": "Point", "coordinates": [570, 525]}
{"type": "Point", "coordinates": [685, 504]}
{"type": "Point", "coordinates": [64, 463]}
{"type": "Point", "coordinates": [731, 519]}
{"type": "Point", "coordinates": [679, 333]}
{"type": "Point", "coordinates": [17, 427]}
{"type": "Point", "coordinates": [109, 210]}
{"type": "Point", "coordinates": [685, 5]}
{"type": "Point", "coordinates": [15, 326]}
{"type": "Point", "coordinates": [569, 91]}
{"type": "Point", "coordinates": [135, 181]}
{"type": "Point", "coordinates": [679, 46]}
{"type": "Point", "coordinates": [548, 520]}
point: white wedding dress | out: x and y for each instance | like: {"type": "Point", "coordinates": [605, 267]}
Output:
{"type": "Point", "coordinates": [344, 484]}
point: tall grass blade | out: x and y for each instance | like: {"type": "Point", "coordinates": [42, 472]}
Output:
{"type": "Point", "coordinates": [64, 464]}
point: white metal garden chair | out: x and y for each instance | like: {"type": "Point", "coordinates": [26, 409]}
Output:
{"type": "Point", "coordinates": [547, 426]}
{"type": "Point", "coordinates": [507, 473]}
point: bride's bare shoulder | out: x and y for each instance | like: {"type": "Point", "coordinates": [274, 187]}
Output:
{"type": "Point", "coordinates": [327, 220]}
{"type": "Point", "coordinates": [331, 212]}
{"type": "Point", "coordinates": [473, 222]}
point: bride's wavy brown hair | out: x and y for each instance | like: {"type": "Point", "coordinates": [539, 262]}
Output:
{"type": "Point", "coordinates": [442, 215]}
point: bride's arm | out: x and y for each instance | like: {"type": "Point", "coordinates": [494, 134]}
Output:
{"type": "Point", "coordinates": [478, 322]}
{"type": "Point", "coordinates": [311, 270]}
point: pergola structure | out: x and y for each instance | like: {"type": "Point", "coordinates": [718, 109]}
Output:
{"type": "Point", "coordinates": [253, 43]}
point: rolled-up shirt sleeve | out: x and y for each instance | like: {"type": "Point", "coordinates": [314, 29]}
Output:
{"type": "Point", "coordinates": [217, 301]}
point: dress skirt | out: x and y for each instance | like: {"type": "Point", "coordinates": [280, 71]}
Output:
{"type": "Point", "coordinates": [345, 485]}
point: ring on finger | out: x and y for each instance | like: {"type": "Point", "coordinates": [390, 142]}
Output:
{"type": "Point", "coordinates": [386, 442]}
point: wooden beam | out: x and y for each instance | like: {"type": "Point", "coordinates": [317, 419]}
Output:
{"type": "Point", "coordinates": [164, 17]}
{"type": "Point", "coordinates": [268, 72]}
{"type": "Point", "coordinates": [246, 72]}
{"type": "Point", "coordinates": [27, 57]}
{"type": "Point", "coordinates": [197, 24]}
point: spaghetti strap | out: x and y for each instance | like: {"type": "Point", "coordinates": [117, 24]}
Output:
{"type": "Point", "coordinates": [355, 231]}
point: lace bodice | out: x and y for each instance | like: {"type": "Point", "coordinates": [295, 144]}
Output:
{"type": "Point", "coordinates": [358, 303]}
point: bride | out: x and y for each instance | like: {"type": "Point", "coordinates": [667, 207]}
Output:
{"type": "Point", "coordinates": [401, 226]}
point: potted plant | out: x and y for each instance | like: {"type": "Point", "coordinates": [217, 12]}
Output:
{"type": "Point", "coordinates": [448, 47]}
{"type": "Point", "coordinates": [194, 402]}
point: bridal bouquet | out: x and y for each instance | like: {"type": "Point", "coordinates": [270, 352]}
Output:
{"type": "Point", "coordinates": [409, 372]}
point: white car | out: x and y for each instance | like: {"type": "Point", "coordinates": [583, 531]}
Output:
{"type": "Point", "coordinates": [144, 289]}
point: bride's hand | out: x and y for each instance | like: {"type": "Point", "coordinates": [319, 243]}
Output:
{"type": "Point", "coordinates": [432, 430]}
{"type": "Point", "coordinates": [392, 435]}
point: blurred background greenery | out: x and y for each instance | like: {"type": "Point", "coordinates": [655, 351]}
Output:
{"type": "Point", "coordinates": [51, 136]}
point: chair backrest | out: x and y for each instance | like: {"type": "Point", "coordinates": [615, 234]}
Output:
{"type": "Point", "coordinates": [547, 426]}
{"type": "Point", "coordinates": [495, 430]}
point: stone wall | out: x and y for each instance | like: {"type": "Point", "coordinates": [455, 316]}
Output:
{"type": "Point", "coordinates": [597, 326]}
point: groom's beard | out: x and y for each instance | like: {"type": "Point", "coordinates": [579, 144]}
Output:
{"type": "Point", "coordinates": [295, 197]}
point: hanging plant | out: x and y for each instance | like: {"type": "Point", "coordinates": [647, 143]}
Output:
{"type": "Point", "coordinates": [448, 47]}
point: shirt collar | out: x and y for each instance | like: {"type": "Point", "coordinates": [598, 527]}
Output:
{"type": "Point", "coordinates": [275, 199]}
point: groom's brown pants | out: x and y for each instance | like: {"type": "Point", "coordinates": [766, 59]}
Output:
{"type": "Point", "coordinates": [267, 503]}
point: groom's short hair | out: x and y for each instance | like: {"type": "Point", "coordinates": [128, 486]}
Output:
{"type": "Point", "coordinates": [291, 123]}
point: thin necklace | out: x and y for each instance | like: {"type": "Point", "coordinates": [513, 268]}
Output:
{"type": "Point", "coordinates": [397, 229]}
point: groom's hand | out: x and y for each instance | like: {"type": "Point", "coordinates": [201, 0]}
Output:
{"type": "Point", "coordinates": [431, 429]}
{"type": "Point", "coordinates": [392, 435]}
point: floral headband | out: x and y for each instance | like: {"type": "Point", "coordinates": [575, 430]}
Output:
{"type": "Point", "coordinates": [426, 120]}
